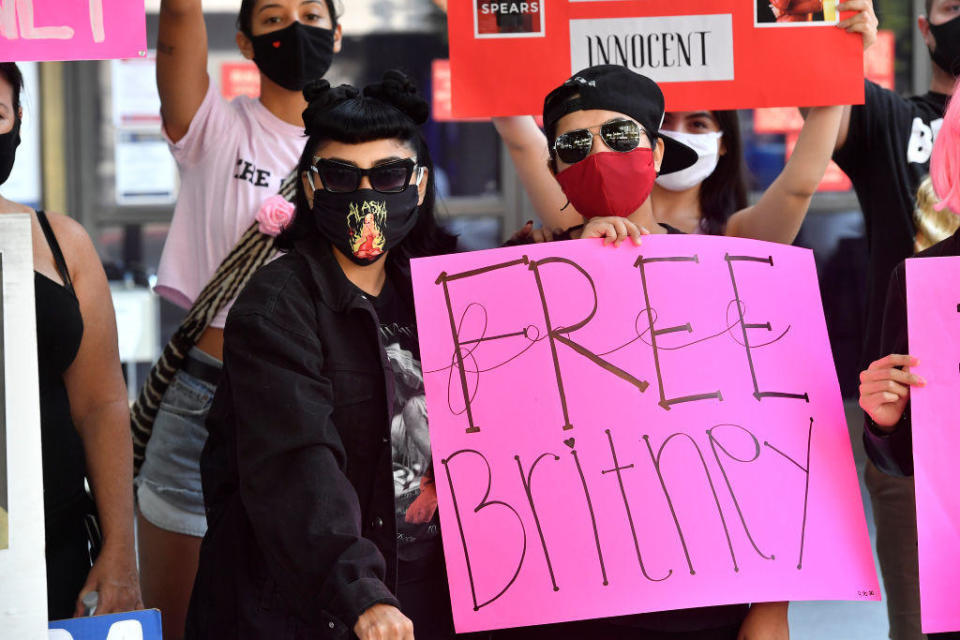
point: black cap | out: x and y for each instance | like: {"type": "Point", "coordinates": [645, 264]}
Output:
{"type": "Point", "coordinates": [615, 88]}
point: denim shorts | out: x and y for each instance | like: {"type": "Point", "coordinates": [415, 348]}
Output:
{"type": "Point", "coordinates": [169, 492]}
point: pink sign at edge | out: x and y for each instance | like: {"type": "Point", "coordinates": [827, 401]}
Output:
{"type": "Point", "coordinates": [933, 321]}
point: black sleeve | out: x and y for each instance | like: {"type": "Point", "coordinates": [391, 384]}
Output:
{"type": "Point", "coordinates": [516, 242]}
{"type": "Point", "coordinates": [563, 235]}
{"type": "Point", "coordinates": [892, 452]}
{"type": "Point", "coordinates": [567, 234]}
{"type": "Point", "coordinates": [868, 135]}
{"type": "Point", "coordinates": [290, 461]}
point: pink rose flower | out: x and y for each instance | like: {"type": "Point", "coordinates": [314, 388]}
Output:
{"type": "Point", "coordinates": [274, 215]}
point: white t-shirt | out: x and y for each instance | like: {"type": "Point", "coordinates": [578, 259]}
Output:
{"type": "Point", "coordinates": [234, 156]}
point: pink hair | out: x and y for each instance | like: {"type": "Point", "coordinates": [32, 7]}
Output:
{"type": "Point", "coordinates": [945, 162]}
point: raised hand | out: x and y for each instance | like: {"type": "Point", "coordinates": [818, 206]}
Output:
{"type": "Point", "coordinates": [865, 22]}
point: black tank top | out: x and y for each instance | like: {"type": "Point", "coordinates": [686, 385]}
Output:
{"type": "Point", "coordinates": [59, 330]}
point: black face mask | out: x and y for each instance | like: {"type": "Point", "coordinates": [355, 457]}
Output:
{"type": "Point", "coordinates": [947, 53]}
{"type": "Point", "coordinates": [295, 55]}
{"type": "Point", "coordinates": [9, 142]}
{"type": "Point", "coordinates": [365, 224]}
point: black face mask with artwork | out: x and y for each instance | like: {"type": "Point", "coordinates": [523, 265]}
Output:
{"type": "Point", "coordinates": [294, 55]}
{"type": "Point", "coordinates": [365, 224]}
{"type": "Point", "coordinates": [9, 142]}
{"type": "Point", "coordinates": [947, 53]}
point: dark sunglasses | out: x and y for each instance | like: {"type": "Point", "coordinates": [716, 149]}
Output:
{"type": "Point", "coordinates": [339, 177]}
{"type": "Point", "coordinates": [619, 135]}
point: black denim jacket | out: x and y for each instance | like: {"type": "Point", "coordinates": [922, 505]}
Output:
{"type": "Point", "coordinates": [297, 474]}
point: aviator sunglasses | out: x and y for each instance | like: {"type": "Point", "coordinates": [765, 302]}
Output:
{"type": "Point", "coordinates": [390, 177]}
{"type": "Point", "coordinates": [620, 135]}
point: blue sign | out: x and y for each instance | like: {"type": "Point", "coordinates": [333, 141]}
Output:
{"type": "Point", "coordinates": [135, 625]}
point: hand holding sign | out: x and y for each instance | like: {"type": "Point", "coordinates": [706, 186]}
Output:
{"type": "Point", "coordinates": [885, 388]}
{"type": "Point", "coordinates": [613, 230]}
{"type": "Point", "coordinates": [864, 21]}
{"type": "Point", "coordinates": [114, 578]}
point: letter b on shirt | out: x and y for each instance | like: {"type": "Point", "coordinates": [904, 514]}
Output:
{"type": "Point", "coordinates": [922, 137]}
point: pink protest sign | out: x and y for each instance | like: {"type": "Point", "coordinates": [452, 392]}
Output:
{"type": "Point", "coordinates": [634, 429]}
{"type": "Point", "coordinates": [72, 29]}
{"type": "Point", "coordinates": [933, 321]}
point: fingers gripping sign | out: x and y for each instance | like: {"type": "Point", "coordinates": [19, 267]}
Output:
{"type": "Point", "coordinates": [885, 389]}
{"type": "Point", "coordinates": [863, 22]}
{"type": "Point", "coordinates": [613, 230]}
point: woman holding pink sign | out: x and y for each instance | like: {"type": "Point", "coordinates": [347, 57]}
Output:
{"type": "Point", "coordinates": [602, 126]}
{"type": "Point", "coordinates": [885, 386]}
{"type": "Point", "coordinates": [234, 158]}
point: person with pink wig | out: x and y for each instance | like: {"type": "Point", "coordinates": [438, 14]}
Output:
{"type": "Point", "coordinates": [885, 385]}
{"type": "Point", "coordinates": [945, 163]}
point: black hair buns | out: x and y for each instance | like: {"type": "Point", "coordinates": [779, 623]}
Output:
{"type": "Point", "coordinates": [321, 97]}
{"type": "Point", "coordinates": [399, 91]}
{"type": "Point", "coordinates": [395, 90]}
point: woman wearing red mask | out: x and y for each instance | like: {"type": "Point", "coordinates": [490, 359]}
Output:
{"type": "Point", "coordinates": [688, 200]}
{"type": "Point", "coordinates": [582, 121]}
{"type": "Point", "coordinates": [602, 126]}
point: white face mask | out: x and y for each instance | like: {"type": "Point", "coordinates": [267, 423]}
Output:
{"type": "Point", "coordinates": [707, 146]}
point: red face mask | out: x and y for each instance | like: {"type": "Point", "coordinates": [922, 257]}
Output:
{"type": "Point", "coordinates": [609, 183]}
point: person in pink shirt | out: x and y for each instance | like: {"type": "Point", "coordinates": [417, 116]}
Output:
{"type": "Point", "coordinates": [232, 157]}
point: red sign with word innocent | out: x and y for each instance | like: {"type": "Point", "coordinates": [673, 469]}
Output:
{"type": "Point", "coordinates": [505, 56]}
{"type": "Point", "coordinates": [878, 66]}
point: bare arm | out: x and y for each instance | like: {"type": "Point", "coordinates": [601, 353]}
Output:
{"type": "Point", "coordinates": [98, 404]}
{"type": "Point", "coordinates": [844, 126]}
{"type": "Point", "coordinates": [780, 211]}
{"type": "Point", "coordinates": [528, 149]}
{"type": "Point", "coordinates": [843, 129]}
{"type": "Point", "coordinates": [181, 64]}
{"type": "Point", "coordinates": [766, 621]}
